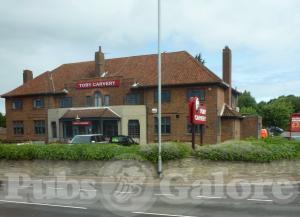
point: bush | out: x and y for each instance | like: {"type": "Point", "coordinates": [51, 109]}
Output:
{"type": "Point", "coordinates": [170, 151]}
{"type": "Point", "coordinates": [251, 150]}
{"type": "Point", "coordinates": [68, 152]}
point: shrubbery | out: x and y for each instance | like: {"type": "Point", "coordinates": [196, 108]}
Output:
{"type": "Point", "coordinates": [66, 152]}
{"type": "Point", "coordinates": [251, 150]}
{"type": "Point", "coordinates": [170, 151]}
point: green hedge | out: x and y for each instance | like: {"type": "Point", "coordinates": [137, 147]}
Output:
{"type": "Point", "coordinates": [251, 150]}
{"type": "Point", "coordinates": [170, 151]}
{"type": "Point", "coordinates": [67, 152]}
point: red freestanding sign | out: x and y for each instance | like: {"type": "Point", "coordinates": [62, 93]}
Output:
{"type": "Point", "coordinates": [197, 111]}
{"type": "Point", "coordinates": [197, 116]}
{"type": "Point", "coordinates": [295, 122]}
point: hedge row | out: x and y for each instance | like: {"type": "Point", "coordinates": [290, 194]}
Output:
{"type": "Point", "coordinates": [170, 151]}
{"type": "Point", "coordinates": [252, 150]}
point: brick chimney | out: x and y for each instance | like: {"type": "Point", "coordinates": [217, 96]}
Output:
{"type": "Point", "coordinates": [27, 76]}
{"type": "Point", "coordinates": [99, 62]}
{"type": "Point", "coordinates": [227, 73]}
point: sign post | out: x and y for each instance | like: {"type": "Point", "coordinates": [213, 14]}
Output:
{"type": "Point", "coordinates": [197, 116]}
{"type": "Point", "coordinates": [295, 123]}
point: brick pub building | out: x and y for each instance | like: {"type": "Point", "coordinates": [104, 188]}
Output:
{"type": "Point", "coordinates": [119, 96]}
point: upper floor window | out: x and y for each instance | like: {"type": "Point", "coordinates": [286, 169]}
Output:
{"type": "Point", "coordinates": [17, 104]}
{"type": "Point", "coordinates": [38, 103]}
{"type": "Point", "coordinates": [134, 128]}
{"type": "Point", "coordinates": [165, 125]}
{"type": "Point", "coordinates": [133, 99]}
{"type": "Point", "coordinates": [39, 127]}
{"type": "Point", "coordinates": [98, 99]}
{"type": "Point", "coordinates": [18, 127]}
{"type": "Point", "coordinates": [106, 100]}
{"type": "Point", "coordinates": [165, 96]}
{"type": "Point", "coordinates": [65, 102]}
{"type": "Point", "coordinates": [198, 92]}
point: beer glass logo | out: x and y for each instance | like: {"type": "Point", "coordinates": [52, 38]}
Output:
{"type": "Point", "coordinates": [128, 189]}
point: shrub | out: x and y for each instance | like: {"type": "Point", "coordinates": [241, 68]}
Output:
{"type": "Point", "coordinates": [170, 151]}
{"type": "Point", "coordinates": [67, 152]}
{"type": "Point", "coordinates": [251, 150]}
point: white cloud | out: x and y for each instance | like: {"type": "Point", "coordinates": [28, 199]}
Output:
{"type": "Point", "coordinates": [263, 35]}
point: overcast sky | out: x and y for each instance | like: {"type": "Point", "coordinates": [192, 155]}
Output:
{"type": "Point", "coordinates": [264, 36]}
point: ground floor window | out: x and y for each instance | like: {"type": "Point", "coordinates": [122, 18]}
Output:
{"type": "Point", "coordinates": [39, 127]}
{"type": "Point", "coordinates": [18, 127]}
{"type": "Point", "coordinates": [106, 127]}
{"type": "Point", "coordinates": [134, 128]}
{"type": "Point", "coordinates": [197, 128]}
{"type": "Point", "coordinates": [165, 125]}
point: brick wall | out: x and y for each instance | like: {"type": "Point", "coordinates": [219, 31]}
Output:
{"type": "Point", "coordinates": [251, 126]}
{"type": "Point", "coordinates": [27, 114]}
{"type": "Point", "coordinates": [177, 110]}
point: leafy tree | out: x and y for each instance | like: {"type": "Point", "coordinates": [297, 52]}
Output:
{"type": "Point", "coordinates": [199, 58]}
{"type": "Point", "coordinates": [2, 120]}
{"type": "Point", "coordinates": [248, 111]}
{"type": "Point", "coordinates": [276, 113]}
{"type": "Point", "coordinates": [246, 100]}
{"type": "Point", "coordinates": [294, 100]}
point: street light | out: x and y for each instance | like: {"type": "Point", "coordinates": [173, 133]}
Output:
{"type": "Point", "coordinates": [159, 91]}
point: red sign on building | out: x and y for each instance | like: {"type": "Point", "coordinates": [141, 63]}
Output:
{"type": "Point", "coordinates": [295, 122]}
{"type": "Point", "coordinates": [197, 111]}
{"type": "Point", "coordinates": [97, 84]}
{"type": "Point", "coordinates": [81, 123]}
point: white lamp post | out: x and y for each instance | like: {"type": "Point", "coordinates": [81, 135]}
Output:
{"type": "Point", "coordinates": [159, 92]}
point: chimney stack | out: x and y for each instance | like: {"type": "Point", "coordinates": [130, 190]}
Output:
{"type": "Point", "coordinates": [99, 62]}
{"type": "Point", "coordinates": [227, 73]}
{"type": "Point", "coordinates": [27, 75]}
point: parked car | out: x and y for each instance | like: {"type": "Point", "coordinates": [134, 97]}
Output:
{"type": "Point", "coordinates": [275, 131]}
{"type": "Point", "coordinates": [122, 140]}
{"type": "Point", "coordinates": [89, 139]}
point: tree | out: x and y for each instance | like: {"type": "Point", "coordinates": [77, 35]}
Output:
{"type": "Point", "coordinates": [2, 120]}
{"type": "Point", "coordinates": [246, 100]}
{"type": "Point", "coordinates": [248, 111]}
{"type": "Point", "coordinates": [294, 100]}
{"type": "Point", "coordinates": [276, 113]}
{"type": "Point", "coordinates": [199, 58]}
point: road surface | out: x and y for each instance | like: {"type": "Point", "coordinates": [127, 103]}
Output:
{"type": "Point", "coordinates": [172, 201]}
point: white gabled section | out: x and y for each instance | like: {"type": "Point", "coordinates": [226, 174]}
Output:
{"type": "Point", "coordinates": [112, 111]}
{"type": "Point", "coordinates": [222, 110]}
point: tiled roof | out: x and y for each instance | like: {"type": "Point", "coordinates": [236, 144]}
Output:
{"type": "Point", "coordinates": [177, 68]}
{"type": "Point", "coordinates": [90, 113]}
{"type": "Point", "coordinates": [230, 113]}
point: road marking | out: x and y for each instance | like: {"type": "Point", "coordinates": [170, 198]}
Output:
{"type": "Point", "coordinates": [161, 214]}
{"type": "Point", "coordinates": [124, 192]}
{"type": "Point", "coordinates": [42, 204]}
{"type": "Point", "coordinates": [56, 188]}
{"type": "Point", "coordinates": [88, 189]}
{"type": "Point", "coordinates": [260, 200]}
{"type": "Point", "coordinates": [164, 194]}
{"type": "Point", "coordinates": [209, 197]}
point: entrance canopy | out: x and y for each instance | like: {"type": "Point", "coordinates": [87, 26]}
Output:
{"type": "Point", "coordinates": [90, 113]}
